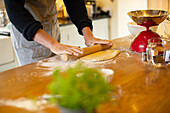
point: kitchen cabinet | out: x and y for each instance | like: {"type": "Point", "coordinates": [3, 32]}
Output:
{"type": "Point", "coordinates": [8, 58]}
{"type": "Point", "coordinates": [6, 50]}
{"type": "Point", "coordinates": [101, 28]}
{"type": "Point", "coordinates": [70, 35]}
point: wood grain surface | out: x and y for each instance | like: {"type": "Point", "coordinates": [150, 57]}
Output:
{"type": "Point", "coordinates": [140, 87]}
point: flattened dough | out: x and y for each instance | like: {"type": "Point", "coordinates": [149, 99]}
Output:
{"type": "Point", "coordinates": [101, 55]}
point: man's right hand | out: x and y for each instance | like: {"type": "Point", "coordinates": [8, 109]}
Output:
{"type": "Point", "coordinates": [58, 48]}
{"type": "Point", "coordinates": [45, 39]}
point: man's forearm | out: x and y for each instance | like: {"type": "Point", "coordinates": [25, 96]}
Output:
{"type": "Point", "coordinates": [44, 38]}
{"type": "Point", "coordinates": [87, 33]}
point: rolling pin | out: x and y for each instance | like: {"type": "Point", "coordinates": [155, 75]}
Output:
{"type": "Point", "coordinates": [86, 51]}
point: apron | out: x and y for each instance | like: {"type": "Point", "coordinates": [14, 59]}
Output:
{"type": "Point", "coordinates": [31, 51]}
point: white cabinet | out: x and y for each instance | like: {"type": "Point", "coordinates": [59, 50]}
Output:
{"type": "Point", "coordinates": [6, 50]}
{"type": "Point", "coordinates": [101, 28]}
{"type": "Point", "coordinates": [70, 35]}
{"type": "Point", "coordinates": [8, 58]}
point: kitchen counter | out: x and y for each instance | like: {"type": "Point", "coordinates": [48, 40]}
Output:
{"type": "Point", "coordinates": [140, 87]}
{"type": "Point", "coordinates": [67, 21]}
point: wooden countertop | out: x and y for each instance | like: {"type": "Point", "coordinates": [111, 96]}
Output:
{"type": "Point", "coordinates": [140, 87]}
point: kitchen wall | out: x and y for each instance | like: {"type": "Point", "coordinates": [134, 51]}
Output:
{"type": "Point", "coordinates": [159, 4]}
{"type": "Point", "coordinates": [125, 6]}
{"type": "Point", "coordinates": [119, 9]}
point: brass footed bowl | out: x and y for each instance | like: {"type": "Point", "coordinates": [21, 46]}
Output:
{"type": "Point", "coordinates": [148, 18]}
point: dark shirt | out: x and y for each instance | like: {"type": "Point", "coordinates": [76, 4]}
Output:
{"type": "Point", "coordinates": [25, 23]}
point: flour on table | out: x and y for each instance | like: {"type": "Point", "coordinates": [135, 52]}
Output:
{"type": "Point", "coordinates": [54, 62]}
{"type": "Point", "coordinates": [27, 104]}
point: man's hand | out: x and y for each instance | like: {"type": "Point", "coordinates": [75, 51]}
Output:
{"type": "Point", "coordinates": [58, 48]}
{"type": "Point", "coordinates": [91, 40]}
{"type": "Point", "coordinates": [45, 39]}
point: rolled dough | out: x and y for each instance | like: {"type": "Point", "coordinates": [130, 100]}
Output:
{"type": "Point", "coordinates": [101, 55]}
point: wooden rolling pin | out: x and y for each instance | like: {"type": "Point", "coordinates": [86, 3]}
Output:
{"type": "Point", "coordinates": [86, 51]}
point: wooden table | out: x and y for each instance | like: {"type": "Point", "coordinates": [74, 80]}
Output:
{"type": "Point", "coordinates": [140, 87]}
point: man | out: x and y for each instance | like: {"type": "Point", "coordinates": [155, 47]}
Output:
{"type": "Point", "coordinates": [35, 31]}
